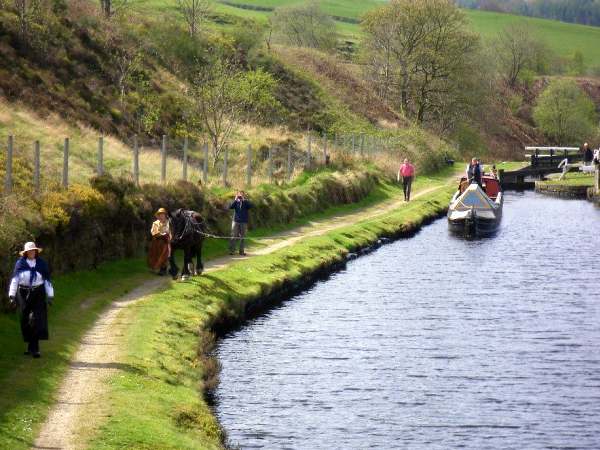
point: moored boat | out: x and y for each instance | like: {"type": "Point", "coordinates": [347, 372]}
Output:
{"type": "Point", "coordinates": [476, 210]}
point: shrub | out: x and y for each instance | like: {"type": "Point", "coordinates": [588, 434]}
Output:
{"type": "Point", "coordinates": [564, 112]}
{"type": "Point", "coordinates": [110, 219]}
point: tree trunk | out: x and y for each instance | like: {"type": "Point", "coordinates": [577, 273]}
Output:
{"type": "Point", "coordinates": [404, 90]}
{"type": "Point", "coordinates": [106, 8]}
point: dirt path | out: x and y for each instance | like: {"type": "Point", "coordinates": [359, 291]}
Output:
{"type": "Point", "coordinates": [80, 405]}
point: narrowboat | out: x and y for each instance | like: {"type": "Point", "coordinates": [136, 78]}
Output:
{"type": "Point", "coordinates": [476, 210]}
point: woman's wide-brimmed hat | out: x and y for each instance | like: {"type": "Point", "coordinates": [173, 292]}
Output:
{"type": "Point", "coordinates": [28, 247]}
{"type": "Point", "coordinates": [160, 211]}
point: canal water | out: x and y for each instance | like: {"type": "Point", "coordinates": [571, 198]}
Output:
{"type": "Point", "coordinates": [433, 342]}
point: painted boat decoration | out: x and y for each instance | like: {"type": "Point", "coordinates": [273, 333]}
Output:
{"type": "Point", "coordinates": [474, 210]}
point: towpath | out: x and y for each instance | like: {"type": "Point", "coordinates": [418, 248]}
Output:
{"type": "Point", "coordinates": [80, 404]}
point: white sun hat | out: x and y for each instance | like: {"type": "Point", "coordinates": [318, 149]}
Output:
{"type": "Point", "coordinates": [28, 247]}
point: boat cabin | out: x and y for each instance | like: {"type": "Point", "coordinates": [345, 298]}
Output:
{"type": "Point", "coordinates": [490, 185]}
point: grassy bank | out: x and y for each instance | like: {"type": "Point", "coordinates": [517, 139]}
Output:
{"type": "Point", "coordinates": [575, 185]}
{"type": "Point", "coordinates": [160, 403]}
{"type": "Point", "coordinates": [27, 387]}
{"type": "Point", "coordinates": [571, 179]}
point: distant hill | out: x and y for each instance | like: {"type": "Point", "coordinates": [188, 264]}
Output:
{"type": "Point", "coordinates": [585, 12]}
{"type": "Point", "coordinates": [562, 38]}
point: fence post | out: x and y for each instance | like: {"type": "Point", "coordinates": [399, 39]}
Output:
{"type": "Point", "coordinates": [597, 183]}
{"type": "Point", "coordinates": [100, 168]}
{"type": "Point", "coordinates": [289, 164]}
{"type": "Point", "coordinates": [205, 165]}
{"type": "Point", "coordinates": [65, 177]}
{"type": "Point", "coordinates": [362, 145]}
{"type": "Point", "coordinates": [163, 160]}
{"type": "Point", "coordinates": [185, 158]}
{"type": "Point", "coordinates": [271, 165]}
{"type": "Point", "coordinates": [325, 148]}
{"type": "Point", "coordinates": [8, 182]}
{"type": "Point", "coordinates": [335, 141]}
{"type": "Point", "coordinates": [308, 165]}
{"type": "Point", "coordinates": [353, 144]}
{"type": "Point", "coordinates": [249, 166]}
{"type": "Point", "coordinates": [36, 167]}
{"type": "Point", "coordinates": [136, 161]}
{"type": "Point", "coordinates": [225, 158]}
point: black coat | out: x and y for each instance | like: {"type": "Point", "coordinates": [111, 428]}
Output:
{"type": "Point", "coordinates": [33, 313]}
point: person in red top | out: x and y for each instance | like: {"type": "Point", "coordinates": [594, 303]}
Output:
{"type": "Point", "coordinates": [407, 172]}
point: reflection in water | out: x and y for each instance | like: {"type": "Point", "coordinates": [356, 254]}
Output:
{"type": "Point", "coordinates": [433, 342]}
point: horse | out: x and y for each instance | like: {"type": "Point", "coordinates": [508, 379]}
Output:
{"type": "Point", "coordinates": [188, 230]}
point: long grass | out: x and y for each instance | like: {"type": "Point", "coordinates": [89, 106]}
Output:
{"type": "Point", "coordinates": [27, 127]}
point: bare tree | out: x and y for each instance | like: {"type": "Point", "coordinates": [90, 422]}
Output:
{"type": "Point", "coordinates": [112, 7]}
{"type": "Point", "coordinates": [27, 10]}
{"type": "Point", "coordinates": [268, 36]}
{"type": "Point", "coordinates": [395, 32]}
{"type": "Point", "coordinates": [515, 51]}
{"type": "Point", "coordinates": [194, 12]}
{"type": "Point", "coordinates": [304, 25]}
{"type": "Point", "coordinates": [443, 58]}
{"type": "Point", "coordinates": [418, 51]}
{"type": "Point", "coordinates": [127, 60]}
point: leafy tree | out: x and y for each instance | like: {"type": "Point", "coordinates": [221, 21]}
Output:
{"type": "Point", "coordinates": [578, 64]}
{"type": "Point", "coordinates": [564, 112]}
{"type": "Point", "coordinates": [419, 52]}
{"type": "Point", "coordinates": [304, 25]}
{"type": "Point", "coordinates": [225, 96]}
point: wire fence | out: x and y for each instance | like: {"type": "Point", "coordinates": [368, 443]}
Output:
{"type": "Point", "coordinates": [181, 159]}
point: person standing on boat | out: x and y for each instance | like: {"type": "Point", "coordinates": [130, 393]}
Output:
{"type": "Point", "coordinates": [474, 172]}
{"type": "Point", "coordinates": [239, 226]}
{"type": "Point", "coordinates": [31, 289]}
{"type": "Point", "coordinates": [407, 172]}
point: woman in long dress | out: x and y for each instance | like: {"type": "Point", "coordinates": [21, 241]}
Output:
{"type": "Point", "coordinates": [32, 290]}
{"type": "Point", "coordinates": [160, 247]}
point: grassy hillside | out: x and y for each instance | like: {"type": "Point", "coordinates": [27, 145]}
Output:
{"type": "Point", "coordinates": [51, 130]}
{"type": "Point", "coordinates": [563, 38]}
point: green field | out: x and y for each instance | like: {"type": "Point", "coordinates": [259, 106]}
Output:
{"type": "Point", "coordinates": [563, 38]}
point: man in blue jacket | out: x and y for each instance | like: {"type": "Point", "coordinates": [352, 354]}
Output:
{"type": "Point", "coordinates": [239, 226]}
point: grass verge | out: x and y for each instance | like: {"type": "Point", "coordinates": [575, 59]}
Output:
{"type": "Point", "coordinates": [27, 386]}
{"type": "Point", "coordinates": [571, 179]}
{"type": "Point", "coordinates": [161, 404]}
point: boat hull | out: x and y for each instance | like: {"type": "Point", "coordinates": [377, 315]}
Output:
{"type": "Point", "coordinates": [474, 227]}
{"type": "Point", "coordinates": [473, 214]}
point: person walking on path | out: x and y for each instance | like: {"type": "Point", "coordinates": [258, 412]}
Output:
{"type": "Point", "coordinates": [31, 289]}
{"type": "Point", "coordinates": [160, 247]}
{"type": "Point", "coordinates": [239, 226]}
{"type": "Point", "coordinates": [407, 172]}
